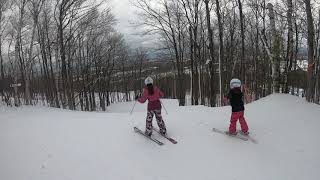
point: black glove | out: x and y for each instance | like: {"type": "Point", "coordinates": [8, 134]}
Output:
{"type": "Point", "coordinates": [137, 97]}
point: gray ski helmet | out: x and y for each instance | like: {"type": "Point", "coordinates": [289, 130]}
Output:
{"type": "Point", "coordinates": [148, 80]}
{"type": "Point", "coordinates": [235, 83]}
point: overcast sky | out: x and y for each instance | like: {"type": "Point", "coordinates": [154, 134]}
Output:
{"type": "Point", "coordinates": [126, 15]}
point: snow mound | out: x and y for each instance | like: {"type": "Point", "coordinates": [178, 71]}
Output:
{"type": "Point", "coordinates": [52, 144]}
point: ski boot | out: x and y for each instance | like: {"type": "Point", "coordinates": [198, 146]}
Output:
{"type": "Point", "coordinates": [148, 133]}
{"type": "Point", "coordinates": [163, 132]}
{"type": "Point", "coordinates": [244, 133]}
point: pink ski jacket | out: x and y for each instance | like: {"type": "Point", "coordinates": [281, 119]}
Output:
{"type": "Point", "coordinates": [153, 100]}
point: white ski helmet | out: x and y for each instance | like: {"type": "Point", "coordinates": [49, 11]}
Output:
{"type": "Point", "coordinates": [148, 80]}
{"type": "Point", "coordinates": [235, 83]}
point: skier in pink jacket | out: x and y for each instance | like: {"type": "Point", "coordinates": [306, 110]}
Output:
{"type": "Point", "coordinates": [153, 95]}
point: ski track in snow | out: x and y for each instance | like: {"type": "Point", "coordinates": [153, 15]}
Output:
{"type": "Point", "coordinates": [39, 143]}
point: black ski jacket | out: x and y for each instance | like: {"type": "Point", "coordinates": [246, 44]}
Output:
{"type": "Point", "coordinates": [235, 97]}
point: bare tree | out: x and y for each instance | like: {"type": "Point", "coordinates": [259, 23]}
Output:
{"type": "Point", "coordinates": [290, 46]}
{"type": "Point", "coordinates": [162, 21]}
{"type": "Point", "coordinates": [4, 5]}
{"type": "Point", "coordinates": [311, 61]}
{"type": "Point", "coordinates": [221, 47]}
{"type": "Point", "coordinates": [242, 58]}
{"type": "Point", "coordinates": [212, 59]}
{"type": "Point", "coordinates": [275, 51]}
{"type": "Point", "coordinates": [19, 57]}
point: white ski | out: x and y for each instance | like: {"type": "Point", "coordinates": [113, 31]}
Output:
{"type": "Point", "coordinates": [226, 133]}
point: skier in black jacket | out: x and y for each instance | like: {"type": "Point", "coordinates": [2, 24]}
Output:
{"type": "Point", "coordinates": [235, 97]}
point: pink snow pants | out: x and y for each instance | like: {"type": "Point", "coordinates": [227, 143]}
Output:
{"type": "Point", "coordinates": [160, 121]}
{"type": "Point", "coordinates": [233, 122]}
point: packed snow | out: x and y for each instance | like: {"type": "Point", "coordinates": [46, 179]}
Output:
{"type": "Point", "coordinates": [39, 143]}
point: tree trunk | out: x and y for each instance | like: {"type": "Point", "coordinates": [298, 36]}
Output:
{"type": "Point", "coordinates": [242, 58]}
{"type": "Point", "coordinates": [289, 46]}
{"type": "Point", "coordinates": [211, 63]}
{"type": "Point", "coordinates": [311, 62]}
{"type": "Point", "coordinates": [29, 62]}
{"type": "Point", "coordinates": [275, 61]}
{"type": "Point", "coordinates": [63, 57]}
{"type": "Point", "coordinates": [18, 45]}
{"type": "Point", "coordinates": [1, 58]}
{"type": "Point", "coordinates": [221, 50]}
{"type": "Point", "coordinates": [196, 53]}
{"type": "Point", "coordinates": [192, 76]}
{"type": "Point", "coordinates": [317, 86]}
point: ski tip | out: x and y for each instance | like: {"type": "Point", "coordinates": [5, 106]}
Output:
{"type": "Point", "coordinates": [173, 141]}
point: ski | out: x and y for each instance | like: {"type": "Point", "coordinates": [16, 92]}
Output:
{"type": "Point", "coordinates": [137, 130]}
{"type": "Point", "coordinates": [173, 141]}
{"type": "Point", "coordinates": [248, 137]}
{"type": "Point", "coordinates": [226, 133]}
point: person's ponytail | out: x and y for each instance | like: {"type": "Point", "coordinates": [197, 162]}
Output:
{"type": "Point", "coordinates": [150, 89]}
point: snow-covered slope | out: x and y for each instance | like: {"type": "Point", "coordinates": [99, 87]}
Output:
{"type": "Point", "coordinates": [52, 144]}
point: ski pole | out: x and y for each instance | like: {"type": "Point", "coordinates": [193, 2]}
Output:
{"type": "Point", "coordinates": [164, 108]}
{"type": "Point", "coordinates": [133, 107]}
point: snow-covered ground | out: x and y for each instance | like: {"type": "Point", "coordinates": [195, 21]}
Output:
{"type": "Point", "coordinates": [38, 143]}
